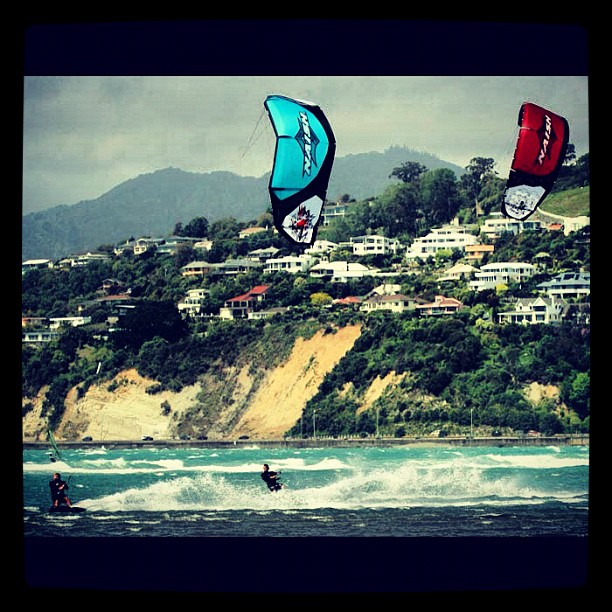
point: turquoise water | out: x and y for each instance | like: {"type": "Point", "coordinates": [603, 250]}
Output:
{"type": "Point", "coordinates": [343, 496]}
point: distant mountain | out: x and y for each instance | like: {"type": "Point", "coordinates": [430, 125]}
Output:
{"type": "Point", "coordinates": [151, 204]}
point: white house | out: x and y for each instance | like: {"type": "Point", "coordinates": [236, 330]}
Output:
{"type": "Point", "coordinates": [459, 271]}
{"type": "Point", "coordinates": [57, 322]}
{"type": "Point", "coordinates": [203, 244]}
{"type": "Point", "coordinates": [448, 238]}
{"type": "Point", "coordinates": [374, 245]}
{"type": "Point", "coordinates": [266, 313]}
{"type": "Point", "coordinates": [242, 305]}
{"type": "Point", "coordinates": [321, 247]}
{"type": "Point", "coordinates": [142, 245]}
{"type": "Point", "coordinates": [35, 264]}
{"type": "Point", "coordinates": [332, 210]}
{"type": "Point", "coordinates": [386, 289]}
{"type": "Point", "coordinates": [529, 311]}
{"type": "Point", "coordinates": [39, 335]}
{"type": "Point", "coordinates": [441, 305]}
{"type": "Point", "coordinates": [497, 223]}
{"type": "Point", "coordinates": [341, 271]}
{"type": "Point", "coordinates": [191, 304]}
{"type": "Point", "coordinates": [501, 273]}
{"type": "Point", "coordinates": [392, 303]}
{"type": "Point", "coordinates": [291, 263]}
{"type": "Point", "coordinates": [82, 260]}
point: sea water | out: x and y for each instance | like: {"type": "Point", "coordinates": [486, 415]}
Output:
{"type": "Point", "coordinates": [392, 492]}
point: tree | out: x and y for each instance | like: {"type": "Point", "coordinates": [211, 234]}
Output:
{"type": "Point", "coordinates": [440, 196]}
{"type": "Point", "coordinates": [398, 210]}
{"type": "Point", "coordinates": [472, 181]}
{"type": "Point", "coordinates": [570, 155]}
{"type": "Point", "coordinates": [197, 228]}
{"type": "Point", "coordinates": [408, 172]}
{"type": "Point", "coordinates": [147, 320]}
{"type": "Point", "coordinates": [320, 298]}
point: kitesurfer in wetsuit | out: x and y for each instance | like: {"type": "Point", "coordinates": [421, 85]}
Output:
{"type": "Point", "coordinates": [270, 478]}
{"type": "Point", "coordinates": [58, 491]}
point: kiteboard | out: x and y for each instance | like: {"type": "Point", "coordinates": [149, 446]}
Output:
{"type": "Point", "coordinates": [66, 509]}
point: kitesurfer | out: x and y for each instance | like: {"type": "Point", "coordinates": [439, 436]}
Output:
{"type": "Point", "coordinates": [58, 491]}
{"type": "Point", "coordinates": [270, 478]}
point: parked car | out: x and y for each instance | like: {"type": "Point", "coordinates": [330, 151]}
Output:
{"type": "Point", "coordinates": [87, 439]}
{"type": "Point", "coordinates": [146, 438]}
{"type": "Point", "coordinates": [243, 438]}
{"type": "Point", "coordinates": [202, 437]}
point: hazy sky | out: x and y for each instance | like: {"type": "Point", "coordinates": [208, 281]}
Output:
{"type": "Point", "coordinates": [83, 135]}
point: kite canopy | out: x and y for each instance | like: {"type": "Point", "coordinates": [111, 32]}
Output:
{"type": "Point", "coordinates": [303, 158]}
{"type": "Point", "coordinates": [539, 154]}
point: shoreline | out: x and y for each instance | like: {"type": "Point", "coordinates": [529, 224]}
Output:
{"type": "Point", "coordinates": [557, 440]}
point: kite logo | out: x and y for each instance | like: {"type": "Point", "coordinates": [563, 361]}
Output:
{"type": "Point", "coordinates": [308, 141]}
{"type": "Point", "coordinates": [547, 136]}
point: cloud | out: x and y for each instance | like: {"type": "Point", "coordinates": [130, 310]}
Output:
{"type": "Point", "coordinates": [83, 135]}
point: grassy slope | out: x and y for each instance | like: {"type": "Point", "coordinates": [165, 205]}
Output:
{"type": "Point", "coordinates": [570, 203]}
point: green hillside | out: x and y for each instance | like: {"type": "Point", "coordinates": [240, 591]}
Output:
{"type": "Point", "coordinates": [569, 203]}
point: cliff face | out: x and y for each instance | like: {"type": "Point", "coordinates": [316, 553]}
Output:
{"type": "Point", "coordinates": [223, 406]}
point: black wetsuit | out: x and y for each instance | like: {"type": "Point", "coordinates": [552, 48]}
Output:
{"type": "Point", "coordinates": [57, 493]}
{"type": "Point", "coordinates": [268, 478]}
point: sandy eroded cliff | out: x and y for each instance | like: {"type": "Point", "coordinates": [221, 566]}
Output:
{"type": "Point", "coordinates": [122, 409]}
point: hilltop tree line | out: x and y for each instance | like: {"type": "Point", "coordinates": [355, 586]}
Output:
{"type": "Point", "coordinates": [454, 371]}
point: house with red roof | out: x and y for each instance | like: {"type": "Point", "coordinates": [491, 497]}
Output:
{"type": "Point", "coordinates": [240, 306]}
{"type": "Point", "coordinates": [440, 306]}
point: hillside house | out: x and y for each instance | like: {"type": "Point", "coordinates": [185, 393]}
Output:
{"type": "Point", "coordinates": [440, 306]}
{"type": "Point", "coordinates": [460, 271]}
{"type": "Point", "coordinates": [290, 263]}
{"type": "Point", "coordinates": [497, 224]}
{"type": "Point", "coordinates": [82, 260]}
{"type": "Point", "coordinates": [530, 311]}
{"type": "Point", "coordinates": [333, 210]}
{"type": "Point", "coordinates": [203, 244]}
{"type": "Point", "coordinates": [321, 247]}
{"type": "Point", "coordinates": [35, 264]}
{"type": "Point", "coordinates": [568, 285]}
{"type": "Point", "coordinates": [501, 273]}
{"type": "Point", "coordinates": [263, 255]}
{"type": "Point", "coordinates": [197, 268]}
{"type": "Point", "coordinates": [142, 245]}
{"type": "Point", "coordinates": [385, 289]}
{"type": "Point", "coordinates": [392, 303]}
{"type": "Point", "coordinates": [58, 322]}
{"type": "Point", "coordinates": [266, 313]}
{"type": "Point", "coordinates": [251, 231]}
{"type": "Point", "coordinates": [374, 245]}
{"type": "Point", "coordinates": [445, 238]}
{"type": "Point", "coordinates": [235, 266]}
{"type": "Point", "coordinates": [240, 306]}
{"type": "Point", "coordinates": [475, 252]}
{"type": "Point", "coordinates": [191, 304]}
{"type": "Point", "coordinates": [173, 244]}
{"type": "Point", "coordinates": [350, 301]}
{"type": "Point", "coordinates": [39, 336]}
{"type": "Point", "coordinates": [111, 286]}
{"type": "Point", "coordinates": [341, 271]}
